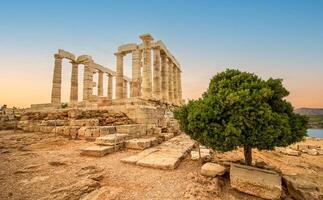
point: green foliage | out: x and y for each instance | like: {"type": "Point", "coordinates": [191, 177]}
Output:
{"type": "Point", "coordinates": [64, 105]}
{"type": "Point", "coordinates": [239, 109]}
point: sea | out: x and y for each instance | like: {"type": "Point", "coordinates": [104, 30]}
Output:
{"type": "Point", "coordinates": [318, 133]}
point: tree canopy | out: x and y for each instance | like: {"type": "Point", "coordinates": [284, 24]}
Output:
{"type": "Point", "coordinates": [239, 109]}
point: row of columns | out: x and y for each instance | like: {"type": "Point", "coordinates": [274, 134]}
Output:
{"type": "Point", "coordinates": [162, 81]}
{"type": "Point", "coordinates": [88, 83]}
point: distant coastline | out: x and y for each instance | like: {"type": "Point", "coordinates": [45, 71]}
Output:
{"type": "Point", "coordinates": [315, 116]}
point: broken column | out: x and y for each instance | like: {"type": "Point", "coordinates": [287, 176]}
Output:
{"type": "Point", "coordinates": [119, 75]}
{"type": "Point", "coordinates": [74, 83]}
{"type": "Point", "coordinates": [146, 73]}
{"type": "Point", "coordinates": [157, 74]}
{"type": "Point", "coordinates": [109, 90]}
{"type": "Point", "coordinates": [136, 73]}
{"type": "Point", "coordinates": [57, 80]}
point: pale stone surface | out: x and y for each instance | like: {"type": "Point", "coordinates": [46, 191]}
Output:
{"type": "Point", "coordinates": [164, 77]}
{"type": "Point", "coordinates": [168, 155]}
{"type": "Point", "coordinates": [157, 73]}
{"type": "Point", "coordinates": [98, 150]}
{"type": "Point", "coordinates": [167, 136]}
{"type": "Point", "coordinates": [110, 86]}
{"type": "Point", "coordinates": [262, 183]}
{"type": "Point", "coordinates": [111, 139]}
{"type": "Point", "coordinates": [287, 151]}
{"type": "Point", "coordinates": [74, 82]}
{"type": "Point", "coordinates": [135, 158]}
{"type": "Point", "coordinates": [304, 187]}
{"type": "Point", "coordinates": [146, 71]}
{"type": "Point", "coordinates": [132, 129]}
{"type": "Point", "coordinates": [84, 122]}
{"type": "Point", "coordinates": [141, 143]}
{"type": "Point", "coordinates": [57, 80]}
{"type": "Point", "coordinates": [212, 169]}
{"type": "Point", "coordinates": [205, 154]}
{"type": "Point", "coordinates": [119, 76]}
{"type": "Point", "coordinates": [136, 73]}
{"type": "Point", "coordinates": [100, 83]}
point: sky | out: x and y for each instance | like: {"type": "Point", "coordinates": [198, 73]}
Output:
{"type": "Point", "coordinates": [279, 39]}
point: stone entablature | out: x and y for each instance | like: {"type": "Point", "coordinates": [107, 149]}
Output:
{"type": "Point", "coordinates": [156, 74]}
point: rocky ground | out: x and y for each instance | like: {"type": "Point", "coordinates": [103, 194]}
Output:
{"type": "Point", "coordinates": [47, 166]}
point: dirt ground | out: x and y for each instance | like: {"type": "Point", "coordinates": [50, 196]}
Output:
{"type": "Point", "coordinates": [47, 166]}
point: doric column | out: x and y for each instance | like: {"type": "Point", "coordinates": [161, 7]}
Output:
{"type": "Point", "coordinates": [109, 90]}
{"type": "Point", "coordinates": [164, 77]}
{"type": "Point", "coordinates": [125, 89]}
{"type": "Point", "coordinates": [136, 73]}
{"type": "Point", "coordinates": [57, 80]}
{"type": "Point", "coordinates": [131, 88]}
{"type": "Point", "coordinates": [119, 76]}
{"type": "Point", "coordinates": [146, 72]}
{"type": "Point", "coordinates": [157, 74]}
{"type": "Point", "coordinates": [100, 83]}
{"type": "Point", "coordinates": [179, 86]}
{"type": "Point", "coordinates": [74, 82]}
{"type": "Point", "coordinates": [170, 81]}
{"type": "Point", "coordinates": [175, 92]}
{"type": "Point", "coordinates": [87, 81]}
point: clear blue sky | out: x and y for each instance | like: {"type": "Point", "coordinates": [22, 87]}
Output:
{"type": "Point", "coordinates": [281, 39]}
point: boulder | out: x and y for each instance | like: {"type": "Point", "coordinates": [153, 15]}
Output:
{"type": "Point", "coordinates": [304, 186]}
{"type": "Point", "coordinates": [212, 169]}
{"type": "Point", "coordinates": [258, 182]}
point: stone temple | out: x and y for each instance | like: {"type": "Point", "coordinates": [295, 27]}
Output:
{"type": "Point", "coordinates": [135, 112]}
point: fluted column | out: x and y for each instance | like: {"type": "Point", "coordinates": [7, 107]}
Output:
{"type": "Point", "coordinates": [100, 83]}
{"type": "Point", "coordinates": [175, 85]}
{"type": "Point", "coordinates": [125, 89]}
{"type": "Point", "coordinates": [57, 80]}
{"type": "Point", "coordinates": [87, 81]}
{"type": "Point", "coordinates": [136, 73]}
{"type": "Point", "coordinates": [74, 82]}
{"type": "Point", "coordinates": [170, 81]}
{"type": "Point", "coordinates": [157, 73]}
{"type": "Point", "coordinates": [131, 88]}
{"type": "Point", "coordinates": [164, 77]}
{"type": "Point", "coordinates": [109, 90]}
{"type": "Point", "coordinates": [179, 87]}
{"type": "Point", "coordinates": [119, 76]}
{"type": "Point", "coordinates": [146, 73]}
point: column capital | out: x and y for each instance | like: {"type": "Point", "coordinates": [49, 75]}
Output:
{"type": "Point", "coordinates": [58, 57]}
{"type": "Point", "coordinates": [119, 54]}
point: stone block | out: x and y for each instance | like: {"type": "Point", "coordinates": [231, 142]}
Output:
{"type": "Point", "coordinates": [288, 151]}
{"type": "Point", "coordinates": [205, 154]}
{"type": "Point", "coordinates": [84, 122]}
{"type": "Point", "coordinates": [167, 136]}
{"type": "Point", "coordinates": [312, 152]}
{"type": "Point", "coordinates": [135, 158]}
{"type": "Point", "coordinates": [132, 129]}
{"type": "Point", "coordinates": [106, 130]}
{"type": "Point", "coordinates": [112, 139]}
{"type": "Point", "coordinates": [98, 151]}
{"type": "Point", "coordinates": [258, 182]}
{"type": "Point", "coordinates": [142, 143]}
{"type": "Point", "coordinates": [212, 169]}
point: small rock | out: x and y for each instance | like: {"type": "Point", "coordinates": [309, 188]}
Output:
{"type": "Point", "coordinates": [212, 169]}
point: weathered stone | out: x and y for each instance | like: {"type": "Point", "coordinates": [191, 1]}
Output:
{"type": "Point", "coordinates": [142, 143]}
{"type": "Point", "coordinates": [167, 136]}
{"type": "Point", "coordinates": [132, 129]}
{"type": "Point", "coordinates": [84, 122]}
{"type": "Point", "coordinates": [111, 139]}
{"type": "Point", "coordinates": [99, 150]}
{"type": "Point", "coordinates": [262, 183]}
{"type": "Point", "coordinates": [304, 186]}
{"type": "Point", "coordinates": [287, 151]}
{"type": "Point", "coordinates": [205, 154]}
{"type": "Point", "coordinates": [312, 152]}
{"type": "Point", "coordinates": [168, 155]}
{"type": "Point", "coordinates": [212, 169]}
{"type": "Point", "coordinates": [135, 158]}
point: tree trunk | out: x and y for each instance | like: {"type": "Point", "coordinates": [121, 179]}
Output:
{"type": "Point", "coordinates": [247, 154]}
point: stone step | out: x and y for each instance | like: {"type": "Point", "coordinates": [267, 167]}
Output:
{"type": "Point", "coordinates": [112, 139]}
{"type": "Point", "coordinates": [99, 151]}
{"type": "Point", "coordinates": [167, 136]}
{"type": "Point", "coordinates": [168, 155]}
{"type": "Point", "coordinates": [141, 143]}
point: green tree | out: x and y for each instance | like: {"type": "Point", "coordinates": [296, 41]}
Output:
{"type": "Point", "coordinates": [239, 109]}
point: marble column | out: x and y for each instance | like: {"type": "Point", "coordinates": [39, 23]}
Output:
{"type": "Point", "coordinates": [57, 80]}
{"type": "Point", "coordinates": [170, 81]}
{"type": "Point", "coordinates": [175, 85]}
{"type": "Point", "coordinates": [119, 76]}
{"type": "Point", "coordinates": [100, 83]}
{"type": "Point", "coordinates": [125, 89]}
{"type": "Point", "coordinates": [164, 77]}
{"type": "Point", "coordinates": [87, 81]}
{"type": "Point", "coordinates": [146, 73]}
{"type": "Point", "coordinates": [136, 73]}
{"type": "Point", "coordinates": [74, 83]}
{"type": "Point", "coordinates": [109, 90]}
{"type": "Point", "coordinates": [179, 86]}
{"type": "Point", "coordinates": [156, 73]}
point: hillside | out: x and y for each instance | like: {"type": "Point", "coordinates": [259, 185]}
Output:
{"type": "Point", "coordinates": [309, 111]}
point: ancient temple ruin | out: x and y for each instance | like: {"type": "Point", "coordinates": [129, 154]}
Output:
{"type": "Point", "coordinates": [158, 79]}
